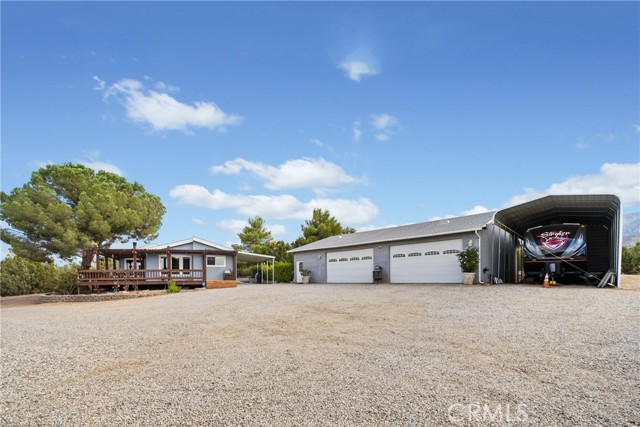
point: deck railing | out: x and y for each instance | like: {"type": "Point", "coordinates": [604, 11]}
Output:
{"type": "Point", "coordinates": [138, 276]}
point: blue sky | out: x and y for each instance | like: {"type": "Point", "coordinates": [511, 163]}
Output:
{"type": "Point", "coordinates": [383, 113]}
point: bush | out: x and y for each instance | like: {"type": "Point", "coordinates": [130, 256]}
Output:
{"type": "Point", "coordinates": [172, 288]}
{"type": "Point", "coordinates": [283, 273]}
{"type": "Point", "coordinates": [469, 260]}
{"type": "Point", "coordinates": [631, 259]}
{"type": "Point", "coordinates": [21, 276]}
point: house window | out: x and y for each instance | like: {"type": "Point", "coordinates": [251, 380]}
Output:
{"type": "Point", "coordinates": [216, 261]}
{"type": "Point", "coordinates": [128, 264]}
{"type": "Point", "coordinates": [178, 262]}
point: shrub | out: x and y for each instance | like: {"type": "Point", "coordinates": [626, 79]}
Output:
{"type": "Point", "coordinates": [21, 276]}
{"type": "Point", "coordinates": [469, 260]}
{"type": "Point", "coordinates": [283, 271]}
{"type": "Point", "coordinates": [172, 288]}
{"type": "Point", "coordinates": [631, 259]}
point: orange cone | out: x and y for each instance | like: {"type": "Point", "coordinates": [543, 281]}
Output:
{"type": "Point", "coordinates": [545, 284]}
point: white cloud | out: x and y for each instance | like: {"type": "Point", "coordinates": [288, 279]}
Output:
{"type": "Point", "coordinates": [321, 144]}
{"type": "Point", "coordinates": [197, 221]}
{"type": "Point", "coordinates": [235, 225]}
{"type": "Point", "coordinates": [584, 142]}
{"type": "Point", "coordinates": [276, 229]}
{"type": "Point", "coordinates": [283, 207]}
{"type": "Point", "coordinates": [385, 124]}
{"type": "Point", "coordinates": [622, 179]}
{"type": "Point", "coordinates": [317, 174]}
{"type": "Point", "coordinates": [636, 128]}
{"type": "Point", "coordinates": [100, 84]}
{"type": "Point", "coordinates": [163, 112]}
{"type": "Point", "coordinates": [98, 165]}
{"type": "Point", "coordinates": [477, 209]}
{"type": "Point", "coordinates": [375, 227]}
{"type": "Point", "coordinates": [357, 133]}
{"type": "Point", "coordinates": [357, 69]}
{"type": "Point", "coordinates": [383, 121]}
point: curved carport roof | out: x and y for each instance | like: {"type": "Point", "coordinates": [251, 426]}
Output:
{"type": "Point", "coordinates": [599, 209]}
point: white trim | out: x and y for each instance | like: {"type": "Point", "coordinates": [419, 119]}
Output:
{"type": "Point", "coordinates": [216, 257]}
{"type": "Point", "coordinates": [187, 241]}
{"type": "Point", "coordinates": [180, 258]}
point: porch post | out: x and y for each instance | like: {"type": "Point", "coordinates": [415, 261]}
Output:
{"type": "Point", "coordinates": [204, 267]}
{"type": "Point", "coordinates": [169, 263]}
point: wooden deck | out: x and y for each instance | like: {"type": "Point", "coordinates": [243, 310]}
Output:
{"type": "Point", "coordinates": [95, 279]}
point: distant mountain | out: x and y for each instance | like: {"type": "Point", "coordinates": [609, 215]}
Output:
{"type": "Point", "coordinates": [631, 228]}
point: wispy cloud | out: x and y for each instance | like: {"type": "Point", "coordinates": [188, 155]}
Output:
{"type": "Point", "coordinates": [94, 162]}
{"type": "Point", "coordinates": [317, 174]}
{"type": "Point", "coordinates": [357, 133]}
{"type": "Point", "coordinates": [158, 109]}
{"type": "Point", "coordinates": [356, 70]}
{"type": "Point", "coordinates": [321, 144]}
{"type": "Point", "coordinates": [276, 229]}
{"type": "Point", "coordinates": [98, 165]}
{"type": "Point", "coordinates": [636, 128]}
{"type": "Point", "coordinates": [584, 142]}
{"type": "Point", "coordinates": [613, 178]}
{"type": "Point", "coordinates": [235, 225]}
{"type": "Point", "coordinates": [385, 124]}
{"type": "Point", "coordinates": [383, 121]}
{"type": "Point", "coordinates": [100, 84]}
{"type": "Point", "coordinates": [285, 207]}
{"type": "Point", "coordinates": [198, 221]}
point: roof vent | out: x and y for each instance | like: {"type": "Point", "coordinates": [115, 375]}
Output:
{"type": "Point", "coordinates": [445, 222]}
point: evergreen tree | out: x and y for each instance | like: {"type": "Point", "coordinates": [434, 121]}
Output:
{"type": "Point", "coordinates": [66, 208]}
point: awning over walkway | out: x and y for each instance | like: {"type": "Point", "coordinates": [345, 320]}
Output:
{"type": "Point", "coordinates": [250, 257]}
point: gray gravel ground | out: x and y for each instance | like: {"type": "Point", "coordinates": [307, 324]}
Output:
{"type": "Point", "coordinates": [316, 355]}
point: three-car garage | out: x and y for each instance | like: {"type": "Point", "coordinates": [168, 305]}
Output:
{"type": "Point", "coordinates": [427, 252]}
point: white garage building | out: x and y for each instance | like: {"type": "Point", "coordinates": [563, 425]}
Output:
{"type": "Point", "coordinates": [426, 252]}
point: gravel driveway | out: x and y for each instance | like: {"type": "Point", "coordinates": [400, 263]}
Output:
{"type": "Point", "coordinates": [296, 355]}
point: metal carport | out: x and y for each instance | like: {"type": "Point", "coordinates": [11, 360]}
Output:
{"type": "Point", "coordinates": [601, 210]}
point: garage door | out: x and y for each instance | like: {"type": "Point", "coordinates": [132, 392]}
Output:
{"type": "Point", "coordinates": [433, 262]}
{"type": "Point", "coordinates": [350, 266]}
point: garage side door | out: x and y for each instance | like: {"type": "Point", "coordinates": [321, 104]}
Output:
{"type": "Point", "coordinates": [350, 266]}
{"type": "Point", "coordinates": [433, 262]}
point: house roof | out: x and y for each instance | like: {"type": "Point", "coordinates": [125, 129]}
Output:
{"type": "Point", "coordinates": [242, 256]}
{"type": "Point", "coordinates": [186, 241]}
{"type": "Point", "coordinates": [412, 231]}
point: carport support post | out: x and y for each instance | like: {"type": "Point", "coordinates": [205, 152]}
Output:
{"type": "Point", "coordinates": [273, 265]}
